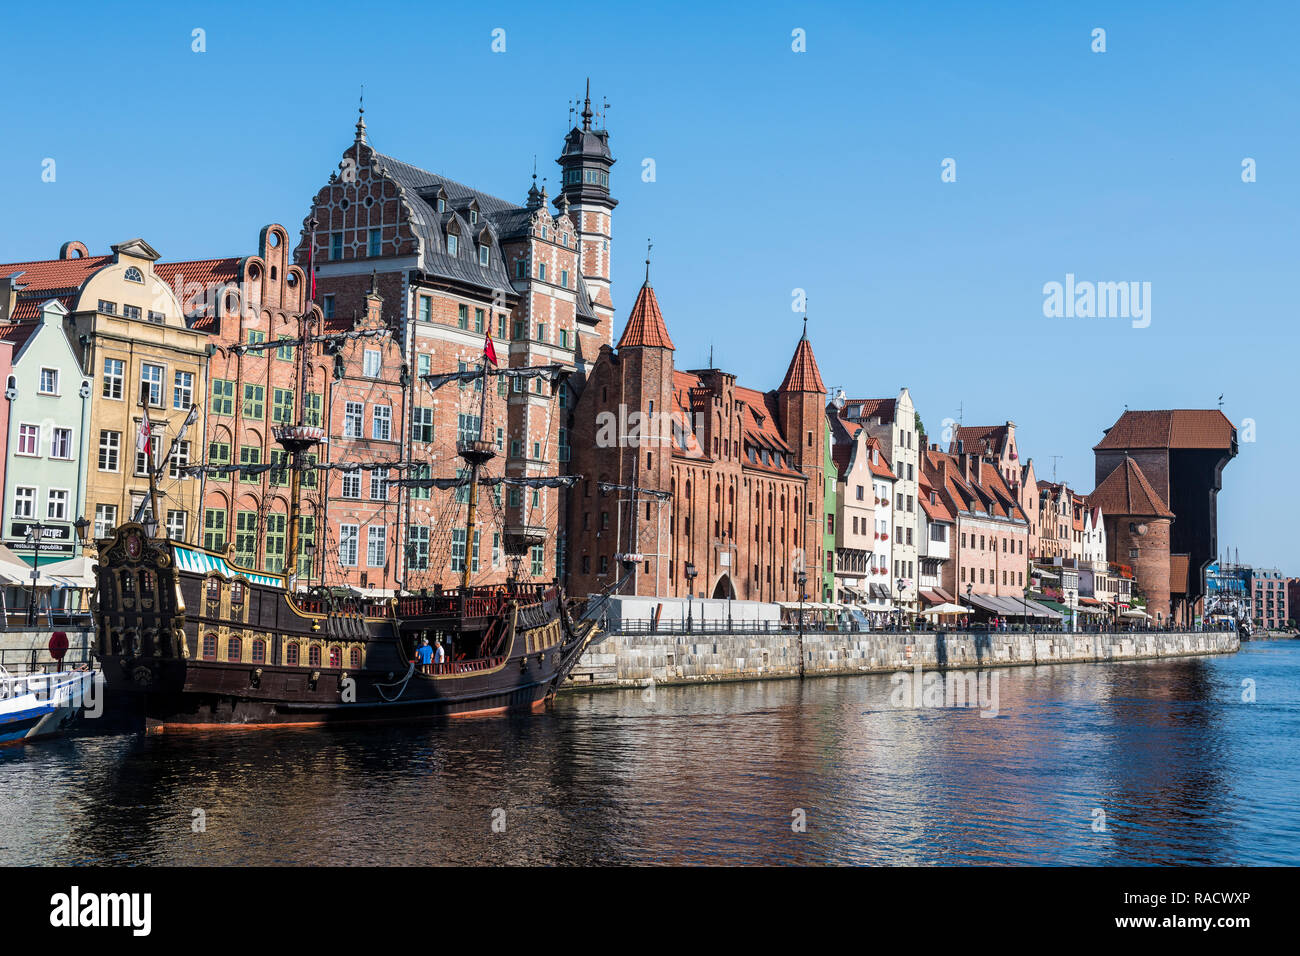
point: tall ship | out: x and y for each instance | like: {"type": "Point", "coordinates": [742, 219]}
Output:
{"type": "Point", "coordinates": [188, 638]}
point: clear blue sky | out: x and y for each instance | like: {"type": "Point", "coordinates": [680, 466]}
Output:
{"type": "Point", "coordinates": [775, 170]}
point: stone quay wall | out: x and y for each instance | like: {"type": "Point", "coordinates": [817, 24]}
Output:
{"type": "Point", "coordinates": [634, 660]}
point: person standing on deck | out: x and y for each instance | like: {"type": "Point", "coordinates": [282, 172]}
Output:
{"type": "Point", "coordinates": [425, 654]}
{"type": "Point", "coordinates": [440, 655]}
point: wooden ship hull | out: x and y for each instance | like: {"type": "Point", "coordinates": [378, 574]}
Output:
{"type": "Point", "coordinates": [187, 640]}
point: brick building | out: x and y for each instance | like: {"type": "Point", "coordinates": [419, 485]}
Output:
{"type": "Point", "coordinates": [1180, 455]}
{"type": "Point", "coordinates": [733, 476]}
{"type": "Point", "coordinates": [451, 264]}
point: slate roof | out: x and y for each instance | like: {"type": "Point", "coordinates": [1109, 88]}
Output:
{"type": "Point", "coordinates": [503, 219]}
{"type": "Point", "coordinates": [1170, 428]}
{"type": "Point", "coordinates": [1126, 491]}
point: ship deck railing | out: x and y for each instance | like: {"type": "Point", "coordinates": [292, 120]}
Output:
{"type": "Point", "coordinates": [461, 667]}
{"type": "Point", "coordinates": [479, 602]}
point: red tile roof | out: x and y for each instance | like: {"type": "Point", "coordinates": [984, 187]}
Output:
{"type": "Point", "coordinates": [645, 326]}
{"type": "Point", "coordinates": [209, 273]}
{"type": "Point", "coordinates": [869, 408]}
{"type": "Point", "coordinates": [50, 274]}
{"type": "Point", "coordinates": [803, 374]}
{"type": "Point", "coordinates": [18, 333]}
{"type": "Point", "coordinates": [980, 439]}
{"type": "Point", "coordinates": [1126, 491]}
{"type": "Point", "coordinates": [1171, 428]}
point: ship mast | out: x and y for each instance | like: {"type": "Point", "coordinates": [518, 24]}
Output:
{"type": "Point", "coordinates": [477, 453]}
{"type": "Point", "coordinates": [300, 437]}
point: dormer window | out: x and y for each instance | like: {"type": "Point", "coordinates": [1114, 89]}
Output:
{"type": "Point", "coordinates": [484, 255]}
{"type": "Point", "coordinates": [473, 217]}
{"type": "Point", "coordinates": [134, 275]}
{"type": "Point", "coordinates": [442, 204]}
{"type": "Point", "coordinates": [453, 243]}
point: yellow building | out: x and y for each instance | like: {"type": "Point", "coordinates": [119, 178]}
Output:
{"type": "Point", "coordinates": [134, 342]}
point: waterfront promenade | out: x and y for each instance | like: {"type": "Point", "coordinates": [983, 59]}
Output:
{"type": "Point", "coordinates": [635, 654]}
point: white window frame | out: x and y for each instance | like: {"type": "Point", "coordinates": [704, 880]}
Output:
{"type": "Point", "coordinates": [144, 380]}
{"type": "Point", "coordinates": [114, 381]}
{"type": "Point", "coordinates": [178, 390]}
{"type": "Point", "coordinates": [29, 500]}
{"type": "Point", "coordinates": [372, 363]}
{"type": "Point", "coordinates": [176, 530]}
{"type": "Point", "coordinates": [54, 444]}
{"type": "Point", "coordinates": [105, 519]}
{"type": "Point", "coordinates": [354, 414]}
{"type": "Point", "coordinates": [384, 414]}
{"type": "Point", "coordinates": [50, 497]}
{"type": "Point", "coordinates": [376, 545]}
{"type": "Point", "coordinates": [114, 446]}
{"type": "Point", "coordinates": [22, 426]}
{"type": "Point", "coordinates": [349, 543]}
{"type": "Point", "coordinates": [351, 482]}
{"type": "Point", "coordinates": [41, 389]}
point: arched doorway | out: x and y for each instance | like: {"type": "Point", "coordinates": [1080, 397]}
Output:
{"type": "Point", "coordinates": [724, 589]}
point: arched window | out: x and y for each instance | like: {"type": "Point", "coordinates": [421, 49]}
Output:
{"type": "Point", "coordinates": [237, 593]}
{"type": "Point", "coordinates": [233, 649]}
{"type": "Point", "coordinates": [313, 656]}
{"type": "Point", "coordinates": [214, 589]}
{"type": "Point", "coordinates": [355, 661]}
{"type": "Point", "coordinates": [336, 657]}
{"type": "Point", "coordinates": [209, 647]}
{"type": "Point", "coordinates": [133, 275]}
{"type": "Point", "coordinates": [291, 655]}
{"type": "Point", "coordinates": [259, 651]}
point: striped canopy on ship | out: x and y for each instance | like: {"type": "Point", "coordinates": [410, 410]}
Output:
{"type": "Point", "coordinates": [200, 562]}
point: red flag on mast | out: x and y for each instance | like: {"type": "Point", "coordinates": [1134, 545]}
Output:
{"type": "Point", "coordinates": [489, 352]}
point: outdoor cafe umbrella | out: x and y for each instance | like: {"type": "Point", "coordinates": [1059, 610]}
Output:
{"type": "Point", "coordinates": [947, 607]}
{"type": "Point", "coordinates": [1134, 613]}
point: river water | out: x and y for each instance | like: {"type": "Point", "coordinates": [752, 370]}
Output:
{"type": "Point", "coordinates": [1146, 762]}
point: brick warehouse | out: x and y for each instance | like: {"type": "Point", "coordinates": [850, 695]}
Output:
{"type": "Point", "coordinates": [734, 476]}
{"type": "Point", "coordinates": [450, 264]}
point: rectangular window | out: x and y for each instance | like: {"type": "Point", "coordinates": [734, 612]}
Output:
{"type": "Point", "coordinates": [311, 411]}
{"type": "Point", "coordinates": [284, 352]}
{"type": "Point", "coordinates": [564, 278]}
{"type": "Point", "coordinates": [105, 520]}
{"type": "Point", "coordinates": [417, 548]}
{"type": "Point", "coordinates": [348, 541]}
{"type": "Point", "coordinates": [375, 244]}
{"type": "Point", "coordinates": [521, 268]}
{"type": "Point", "coordinates": [426, 308]}
{"type": "Point", "coordinates": [478, 320]}
{"type": "Point", "coordinates": [250, 455]}
{"type": "Point", "coordinates": [501, 326]}
{"type": "Point", "coordinates": [254, 401]}
{"type": "Point", "coordinates": [29, 439]}
{"type": "Point", "coordinates": [246, 539]}
{"type": "Point", "coordinates": [223, 397]}
{"type": "Point", "coordinates": [157, 318]}
{"type": "Point", "coordinates": [422, 363]}
{"type": "Point", "coordinates": [541, 271]}
{"type": "Point", "coordinates": [453, 245]}
{"type": "Point", "coordinates": [176, 522]}
{"type": "Point", "coordinates": [56, 505]}
{"type": "Point", "coordinates": [114, 370]}
{"type": "Point", "coordinates": [462, 316]}
{"type": "Point", "coordinates": [352, 413]}
{"type": "Point", "coordinates": [467, 427]}
{"type": "Point", "coordinates": [282, 406]}
{"type": "Point", "coordinates": [183, 390]}
{"type": "Point", "coordinates": [458, 549]}
{"type": "Point", "coordinates": [151, 384]}
{"type": "Point", "coordinates": [422, 426]}
{"type": "Point", "coordinates": [371, 363]}
{"type": "Point", "coordinates": [484, 256]}
{"type": "Point", "coordinates": [275, 541]}
{"type": "Point", "coordinates": [537, 556]}
{"type": "Point", "coordinates": [327, 306]}
{"type": "Point", "coordinates": [379, 484]}
{"type": "Point", "coordinates": [336, 245]}
{"type": "Point", "coordinates": [351, 484]}
{"type": "Point", "coordinates": [131, 311]}
{"type": "Point", "coordinates": [108, 308]}
{"type": "Point", "coordinates": [180, 459]}
{"type": "Point", "coordinates": [214, 529]}
{"type": "Point", "coordinates": [280, 468]}
{"type": "Point", "coordinates": [24, 501]}
{"type": "Point", "coordinates": [381, 425]}
{"type": "Point", "coordinates": [219, 453]}
{"type": "Point", "coordinates": [376, 545]}
{"type": "Point", "coordinates": [49, 381]}
{"type": "Point", "coordinates": [256, 337]}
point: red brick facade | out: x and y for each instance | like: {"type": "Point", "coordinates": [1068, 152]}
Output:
{"type": "Point", "coordinates": [742, 471]}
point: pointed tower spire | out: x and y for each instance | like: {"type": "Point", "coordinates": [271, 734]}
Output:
{"type": "Point", "coordinates": [803, 374]}
{"type": "Point", "coordinates": [645, 326]}
{"type": "Point", "coordinates": [361, 116]}
{"type": "Point", "coordinates": [586, 109]}
{"type": "Point", "coordinates": [648, 246]}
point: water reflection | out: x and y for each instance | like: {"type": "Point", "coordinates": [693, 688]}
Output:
{"type": "Point", "coordinates": [1184, 770]}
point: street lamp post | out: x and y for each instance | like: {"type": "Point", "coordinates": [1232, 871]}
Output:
{"type": "Point", "coordinates": [898, 583]}
{"type": "Point", "coordinates": [691, 572]}
{"type": "Point", "coordinates": [33, 540]}
{"type": "Point", "coordinates": [83, 536]}
{"type": "Point", "coordinates": [803, 580]}
{"type": "Point", "coordinates": [1024, 602]}
{"type": "Point", "coordinates": [969, 588]}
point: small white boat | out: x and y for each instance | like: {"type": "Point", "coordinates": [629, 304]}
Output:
{"type": "Point", "coordinates": [42, 705]}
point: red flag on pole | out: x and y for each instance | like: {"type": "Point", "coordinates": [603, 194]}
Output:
{"type": "Point", "coordinates": [489, 352]}
{"type": "Point", "coordinates": [146, 432]}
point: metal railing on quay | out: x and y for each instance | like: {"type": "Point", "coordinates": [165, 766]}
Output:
{"type": "Point", "coordinates": [643, 626]}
